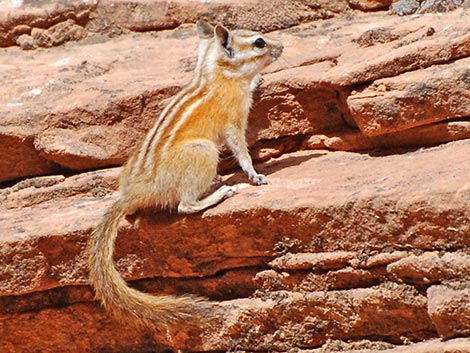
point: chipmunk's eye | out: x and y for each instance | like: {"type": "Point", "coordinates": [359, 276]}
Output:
{"type": "Point", "coordinates": [259, 43]}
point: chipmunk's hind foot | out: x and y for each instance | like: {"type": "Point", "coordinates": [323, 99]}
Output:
{"type": "Point", "coordinates": [213, 199]}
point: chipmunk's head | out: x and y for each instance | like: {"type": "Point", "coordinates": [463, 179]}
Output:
{"type": "Point", "coordinates": [239, 52]}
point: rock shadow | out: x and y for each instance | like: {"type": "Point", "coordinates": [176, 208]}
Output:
{"type": "Point", "coordinates": [272, 166]}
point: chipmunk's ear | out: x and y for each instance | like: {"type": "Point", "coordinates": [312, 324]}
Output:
{"type": "Point", "coordinates": [224, 39]}
{"type": "Point", "coordinates": [204, 29]}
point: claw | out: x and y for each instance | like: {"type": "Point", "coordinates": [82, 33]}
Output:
{"type": "Point", "coordinates": [260, 179]}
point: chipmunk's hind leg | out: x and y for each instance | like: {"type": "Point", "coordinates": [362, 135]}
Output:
{"type": "Point", "coordinates": [198, 162]}
{"type": "Point", "coordinates": [216, 197]}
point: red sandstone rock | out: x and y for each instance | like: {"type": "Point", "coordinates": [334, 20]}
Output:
{"type": "Point", "coordinates": [75, 328]}
{"type": "Point", "coordinates": [347, 58]}
{"type": "Point", "coordinates": [283, 320]}
{"type": "Point", "coordinates": [311, 205]}
{"type": "Point", "coordinates": [427, 135]}
{"type": "Point", "coordinates": [15, 143]}
{"type": "Point", "coordinates": [57, 34]}
{"type": "Point", "coordinates": [459, 345]}
{"type": "Point", "coordinates": [368, 5]}
{"type": "Point", "coordinates": [305, 93]}
{"type": "Point", "coordinates": [311, 281]}
{"type": "Point", "coordinates": [431, 267]}
{"type": "Point", "coordinates": [327, 271]}
{"type": "Point", "coordinates": [114, 17]}
{"type": "Point", "coordinates": [19, 19]}
{"type": "Point", "coordinates": [308, 261]}
{"type": "Point", "coordinates": [337, 254]}
{"type": "Point", "coordinates": [449, 309]}
{"type": "Point", "coordinates": [412, 99]}
{"type": "Point", "coordinates": [336, 6]}
{"type": "Point", "coordinates": [38, 190]}
{"type": "Point", "coordinates": [381, 259]}
{"type": "Point", "coordinates": [317, 187]}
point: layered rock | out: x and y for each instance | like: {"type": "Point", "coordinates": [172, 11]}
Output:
{"type": "Point", "coordinates": [310, 98]}
{"type": "Point", "coordinates": [50, 23]}
{"type": "Point", "coordinates": [335, 228]}
{"type": "Point", "coordinates": [342, 251]}
{"type": "Point", "coordinates": [413, 99]}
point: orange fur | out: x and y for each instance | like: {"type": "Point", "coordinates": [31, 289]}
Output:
{"type": "Point", "coordinates": [178, 159]}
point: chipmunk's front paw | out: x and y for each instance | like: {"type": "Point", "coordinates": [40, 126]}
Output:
{"type": "Point", "coordinates": [260, 179]}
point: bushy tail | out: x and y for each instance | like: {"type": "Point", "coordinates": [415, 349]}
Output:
{"type": "Point", "coordinates": [116, 295]}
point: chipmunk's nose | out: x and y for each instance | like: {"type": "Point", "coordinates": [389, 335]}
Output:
{"type": "Point", "coordinates": [276, 51]}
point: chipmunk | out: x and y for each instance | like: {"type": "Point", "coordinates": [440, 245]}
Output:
{"type": "Point", "coordinates": [178, 159]}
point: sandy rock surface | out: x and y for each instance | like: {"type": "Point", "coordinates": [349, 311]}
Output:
{"type": "Point", "coordinates": [332, 233]}
{"type": "Point", "coordinates": [69, 103]}
{"type": "Point", "coordinates": [360, 243]}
